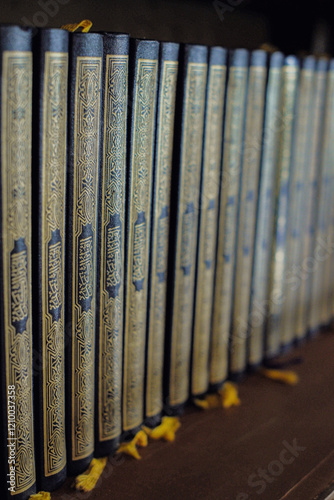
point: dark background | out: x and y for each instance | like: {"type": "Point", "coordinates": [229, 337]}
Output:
{"type": "Point", "coordinates": [292, 26]}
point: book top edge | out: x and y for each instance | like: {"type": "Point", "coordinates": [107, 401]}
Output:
{"type": "Point", "coordinates": [276, 60]}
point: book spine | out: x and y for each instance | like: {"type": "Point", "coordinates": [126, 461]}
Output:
{"type": "Point", "coordinates": [329, 203]}
{"type": "Point", "coordinates": [111, 245]}
{"type": "Point", "coordinates": [297, 202]}
{"type": "Point", "coordinates": [143, 88]}
{"type": "Point", "coordinates": [208, 218]}
{"type": "Point", "coordinates": [17, 419]}
{"type": "Point", "coordinates": [252, 147]}
{"type": "Point", "coordinates": [86, 52]}
{"type": "Point", "coordinates": [265, 212]}
{"type": "Point", "coordinates": [311, 210]}
{"type": "Point", "coordinates": [227, 225]}
{"type": "Point", "coordinates": [168, 71]}
{"type": "Point", "coordinates": [49, 196]}
{"type": "Point", "coordinates": [274, 323]}
{"type": "Point", "coordinates": [318, 279]}
{"type": "Point", "coordinates": [186, 184]}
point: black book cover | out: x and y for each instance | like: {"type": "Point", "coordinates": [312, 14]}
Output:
{"type": "Point", "coordinates": [84, 123]}
{"type": "Point", "coordinates": [142, 103]}
{"type": "Point", "coordinates": [187, 161]}
{"type": "Point", "coordinates": [48, 235]}
{"type": "Point", "coordinates": [18, 476]}
{"type": "Point", "coordinates": [168, 71]}
{"type": "Point", "coordinates": [111, 246]}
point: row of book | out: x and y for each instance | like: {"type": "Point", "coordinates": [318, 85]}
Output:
{"type": "Point", "coordinates": [167, 223]}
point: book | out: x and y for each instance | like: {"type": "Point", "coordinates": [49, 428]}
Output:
{"type": "Point", "coordinates": [318, 316]}
{"type": "Point", "coordinates": [328, 152]}
{"type": "Point", "coordinates": [250, 172]}
{"type": "Point", "coordinates": [308, 259]}
{"type": "Point", "coordinates": [17, 413]}
{"type": "Point", "coordinates": [84, 120]}
{"type": "Point", "coordinates": [111, 244]}
{"type": "Point", "coordinates": [290, 78]}
{"type": "Point", "coordinates": [184, 223]}
{"type": "Point", "coordinates": [144, 57]}
{"type": "Point", "coordinates": [297, 275]}
{"type": "Point", "coordinates": [208, 219]}
{"type": "Point", "coordinates": [227, 225]}
{"type": "Point", "coordinates": [48, 264]}
{"type": "Point", "coordinates": [168, 72]}
{"type": "Point", "coordinates": [297, 201]}
{"type": "Point", "coordinates": [265, 213]}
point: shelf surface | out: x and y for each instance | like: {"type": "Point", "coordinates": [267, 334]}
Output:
{"type": "Point", "coordinates": [219, 454]}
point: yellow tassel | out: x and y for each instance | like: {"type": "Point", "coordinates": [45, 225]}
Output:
{"type": "Point", "coordinates": [226, 397]}
{"type": "Point", "coordinates": [201, 403]}
{"type": "Point", "coordinates": [85, 25]}
{"type": "Point", "coordinates": [129, 448]}
{"type": "Point", "coordinates": [41, 495]}
{"type": "Point", "coordinates": [229, 395]}
{"type": "Point", "coordinates": [166, 430]}
{"type": "Point", "coordinates": [284, 376]}
{"type": "Point", "coordinates": [209, 402]}
{"type": "Point", "coordinates": [87, 481]}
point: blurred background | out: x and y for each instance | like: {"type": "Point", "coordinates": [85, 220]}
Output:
{"type": "Point", "coordinates": [296, 27]}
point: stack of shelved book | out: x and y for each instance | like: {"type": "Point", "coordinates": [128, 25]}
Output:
{"type": "Point", "coordinates": [166, 224]}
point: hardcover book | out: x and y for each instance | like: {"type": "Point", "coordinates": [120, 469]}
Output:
{"type": "Point", "coordinates": [111, 245]}
{"type": "Point", "coordinates": [328, 154]}
{"type": "Point", "coordinates": [265, 212]}
{"type": "Point", "coordinates": [49, 197]}
{"type": "Point", "coordinates": [184, 223]}
{"type": "Point", "coordinates": [208, 219]}
{"type": "Point", "coordinates": [318, 314]}
{"type": "Point", "coordinates": [227, 226]}
{"type": "Point", "coordinates": [312, 187]}
{"type": "Point", "coordinates": [297, 202]}
{"type": "Point", "coordinates": [143, 90]}
{"type": "Point", "coordinates": [168, 72]}
{"type": "Point", "coordinates": [84, 119]}
{"type": "Point", "coordinates": [252, 147]}
{"type": "Point", "coordinates": [17, 415]}
{"type": "Point", "coordinates": [276, 289]}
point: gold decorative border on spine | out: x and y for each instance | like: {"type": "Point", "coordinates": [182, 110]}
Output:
{"type": "Point", "coordinates": [187, 233]}
{"type": "Point", "coordinates": [112, 247]}
{"type": "Point", "coordinates": [138, 242]}
{"type": "Point", "coordinates": [159, 256]}
{"type": "Point", "coordinates": [85, 181]}
{"type": "Point", "coordinates": [16, 226]}
{"type": "Point", "coordinates": [233, 134]}
{"type": "Point", "coordinates": [208, 227]}
{"type": "Point", "coordinates": [53, 219]}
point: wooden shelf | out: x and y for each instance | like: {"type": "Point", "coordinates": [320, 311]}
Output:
{"type": "Point", "coordinates": [216, 452]}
